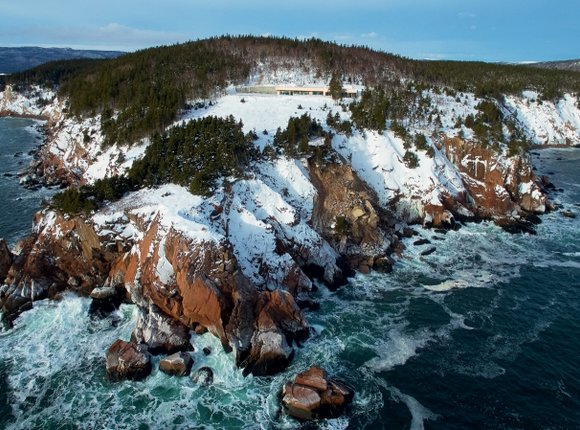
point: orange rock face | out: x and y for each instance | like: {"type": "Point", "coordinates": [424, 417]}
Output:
{"type": "Point", "coordinates": [314, 395]}
{"type": "Point", "coordinates": [127, 360]}
{"type": "Point", "coordinates": [497, 185]}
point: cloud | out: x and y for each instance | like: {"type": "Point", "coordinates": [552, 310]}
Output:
{"type": "Point", "coordinates": [467, 15]}
{"type": "Point", "coordinates": [343, 37]}
{"type": "Point", "coordinates": [370, 35]}
{"type": "Point", "coordinates": [111, 36]}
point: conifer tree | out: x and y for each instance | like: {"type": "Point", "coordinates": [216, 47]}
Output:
{"type": "Point", "coordinates": [335, 87]}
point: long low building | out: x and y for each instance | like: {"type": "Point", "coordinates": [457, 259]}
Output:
{"type": "Point", "coordinates": [312, 91]}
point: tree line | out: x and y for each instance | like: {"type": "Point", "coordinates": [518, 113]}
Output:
{"type": "Point", "coordinates": [141, 93]}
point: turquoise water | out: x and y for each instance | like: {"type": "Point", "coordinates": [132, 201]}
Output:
{"type": "Point", "coordinates": [481, 334]}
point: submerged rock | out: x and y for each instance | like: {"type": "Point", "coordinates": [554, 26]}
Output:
{"type": "Point", "coordinates": [569, 214]}
{"type": "Point", "coordinates": [178, 364]}
{"type": "Point", "coordinates": [314, 395]}
{"type": "Point", "coordinates": [126, 360]}
{"type": "Point", "coordinates": [203, 376]}
{"type": "Point", "coordinates": [429, 251]}
{"type": "Point", "coordinates": [516, 225]}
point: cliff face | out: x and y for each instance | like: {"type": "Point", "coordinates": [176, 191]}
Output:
{"type": "Point", "coordinates": [498, 186]}
{"type": "Point", "coordinates": [237, 264]}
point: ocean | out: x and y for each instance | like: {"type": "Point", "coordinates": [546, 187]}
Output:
{"type": "Point", "coordinates": [483, 333]}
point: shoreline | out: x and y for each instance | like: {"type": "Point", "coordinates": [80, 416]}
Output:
{"type": "Point", "coordinates": [11, 114]}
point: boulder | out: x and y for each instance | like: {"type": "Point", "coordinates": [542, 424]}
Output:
{"type": "Point", "coordinates": [161, 333]}
{"type": "Point", "coordinates": [106, 299]}
{"type": "Point", "coordinates": [127, 360]}
{"type": "Point", "coordinates": [568, 213]}
{"type": "Point", "coordinates": [313, 395]}
{"type": "Point", "coordinates": [203, 376]}
{"type": "Point", "coordinates": [178, 364]}
{"type": "Point", "coordinates": [279, 322]}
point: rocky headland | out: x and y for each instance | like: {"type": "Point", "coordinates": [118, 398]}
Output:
{"type": "Point", "coordinates": [241, 263]}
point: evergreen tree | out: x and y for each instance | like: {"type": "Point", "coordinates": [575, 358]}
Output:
{"type": "Point", "coordinates": [335, 87]}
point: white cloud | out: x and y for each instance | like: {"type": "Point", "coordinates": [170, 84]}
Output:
{"type": "Point", "coordinates": [370, 35]}
{"type": "Point", "coordinates": [343, 37]}
{"type": "Point", "coordinates": [467, 14]}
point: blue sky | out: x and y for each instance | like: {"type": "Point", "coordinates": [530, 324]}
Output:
{"type": "Point", "coordinates": [492, 30]}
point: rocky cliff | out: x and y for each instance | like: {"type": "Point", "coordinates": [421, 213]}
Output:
{"type": "Point", "coordinates": [237, 263]}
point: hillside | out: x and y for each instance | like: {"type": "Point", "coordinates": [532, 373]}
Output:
{"type": "Point", "coordinates": [18, 59]}
{"type": "Point", "coordinates": [214, 203]}
{"type": "Point", "coordinates": [148, 89]}
{"type": "Point", "coordinates": [571, 65]}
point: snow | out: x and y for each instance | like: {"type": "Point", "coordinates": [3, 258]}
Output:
{"type": "Point", "coordinates": [290, 178]}
{"type": "Point", "coordinates": [260, 112]}
{"type": "Point", "coordinates": [173, 206]}
{"type": "Point", "coordinates": [31, 103]}
{"type": "Point", "coordinates": [545, 122]}
{"type": "Point", "coordinates": [378, 159]}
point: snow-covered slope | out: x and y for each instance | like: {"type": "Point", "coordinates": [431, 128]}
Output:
{"type": "Point", "coordinates": [546, 122]}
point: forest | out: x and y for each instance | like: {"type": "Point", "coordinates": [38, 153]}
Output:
{"type": "Point", "coordinates": [141, 93]}
{"type": "Point", "coordinates": [194, 155]}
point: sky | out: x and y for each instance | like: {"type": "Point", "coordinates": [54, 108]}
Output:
{"type": "Point", "coordinates": [491, 30]}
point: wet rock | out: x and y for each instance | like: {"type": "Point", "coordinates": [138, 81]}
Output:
{"type": "Point", "coordinates": [199, 330]}
{"type": "Point", "coordinates": [516, 225]}
{"type": "Point", "coordinates": [206, 350]}
{"type": "Point", "coordinates": [546, 183]}
{"type": "Point", "coordinates": [161, 333]}
{"type": "Point", "coordinates": [126, 360]}
{"type": "Point", "coordinates": [421, 242]}
{"type": "Point", "coordinates": [105, 299]}
{"type": "Point", "coordinates": [534, 219]}
{"type": "Point", "coordinates": [203, 376]}
{"type": "Point", "coordinates": [408, 232]}
{"type": "Point", "coordinates": [178, 364]}
{"type": "Point", "coordinates": [313, 395]}
{"type": "Point", "coordinates": [305, 302]}
{"type": "Point", "coordinates": [429, 251]}
{"type": "Point", "coordinates": [6, 259]}
{"type": "Point", "coordinates": [568, 213]}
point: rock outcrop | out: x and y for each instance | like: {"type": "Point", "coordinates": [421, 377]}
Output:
{"type": "Point", "coordinates": [60, 254]}
{"type": "Point", "coordinates": [348, 216]}
{"type": "Point", "coordinates": [237, 263]}
{"type": "Point", "coordinates": [160, 333]}
{"type": "Point", "coordinates": [313, 395]}
{"type": "Point", "coordinates": [178, 364]}
{"type": "Point", "coordinates": [178, 283]}
{"type": "Point", "coordinates": [6, 259]}
{"type": "Point", "coordinates": [127, 360]}
{"type": "Point", "coordinates": [500, 188]}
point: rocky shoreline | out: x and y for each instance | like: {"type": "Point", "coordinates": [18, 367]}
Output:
{"type": "Point", "coordinates": [142, 249]}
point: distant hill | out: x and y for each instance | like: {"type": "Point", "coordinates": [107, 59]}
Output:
{"type": "Point", "coordinates": [18, 59]}
{"type": "Point", "coordinates": [573, 65]}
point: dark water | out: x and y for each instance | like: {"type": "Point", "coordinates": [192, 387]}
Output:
{"type": "Point", "coordinates": [484, 333]}
{"type": "Point", "coordinates": [17, 206]}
